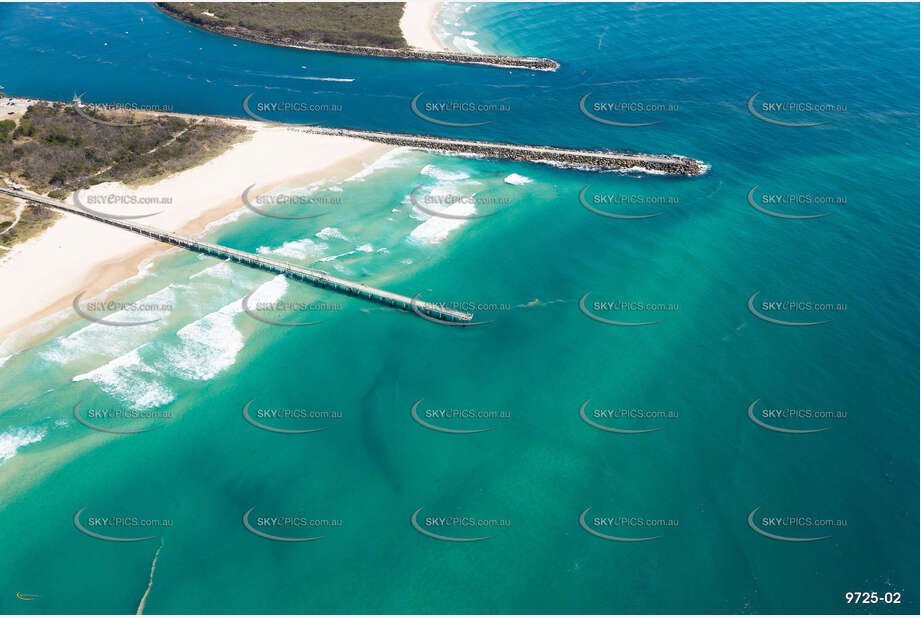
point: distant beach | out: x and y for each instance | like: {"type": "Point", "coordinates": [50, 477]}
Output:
{"type": "Point", "coordinates": [417, 25]}
{"type": "Point", "coordinates": [626, 383]}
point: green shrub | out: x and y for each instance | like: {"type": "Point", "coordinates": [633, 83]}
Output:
{"type": "Point", "coordinates": [347, 23]}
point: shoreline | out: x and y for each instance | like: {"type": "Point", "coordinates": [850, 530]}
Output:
{"type": "Point", "coordinates": [100, 257]}
{"type": "Point", "coordinates": [309, 275]}
{"type": "Point", "coordinates": [417, 25]}
{"type": "Point", "coordinates": [530, 63]}
{"type": "Point", "coordinates": [600, 159]}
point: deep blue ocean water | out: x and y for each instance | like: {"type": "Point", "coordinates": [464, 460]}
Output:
{"type": "Point", "coordinates": [689, 68]}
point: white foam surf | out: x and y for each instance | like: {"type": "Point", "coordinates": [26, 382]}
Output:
{"type": "Point", "coordinates": [442, 197]}
{"type": "Point", "coordinates": [440, 174]}
{"type": "Point", "coordinates": [297, 249]}
{"type": "Point", "coordinates": [211, 344]}
{"type": "Point", "coordinates": [436, 229]}
{"type": "Point", "coordinates": [14, 439]}
{"type": "Point", "coordinates": [517, 179]}
{"type": "Point", "coordinates": [105, 338]}
{"type": "Point", "coordinates": [226, 219]}
{"type": "Point", "coordinates": [131, 380]}
{"type": "Point", "coordinates": [393, 158]}
{"type": "Point", "coordinates": [328, 233]}
{"type": "Point", "coordinates": [466, 44]}
{"type": "Point", "coordinates": [221, 270]}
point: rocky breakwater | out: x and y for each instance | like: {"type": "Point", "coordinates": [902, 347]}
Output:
{"type": "Point", "coordinates": [404, 53]}
{"type": "Point", "coordinates": [561, 157]}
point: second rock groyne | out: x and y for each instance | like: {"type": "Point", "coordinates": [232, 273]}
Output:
{"type": "Point", "coordinates": [562, 157]}
{"type": "Point", "coordinates": [405, 53]}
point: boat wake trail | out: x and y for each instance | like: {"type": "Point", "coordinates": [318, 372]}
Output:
{"type": "Point", "coordinates": [153, 569]}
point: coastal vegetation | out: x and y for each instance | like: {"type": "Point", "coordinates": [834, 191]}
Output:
{"type": "Point", "coordinates": [6, 130]}
{"type": "Point", "coordinates": [19, 222]}
{"type": "Point", "coordinates": [54, 150]}
{"type": "Point", "coordinates": [358, 28]}
{"type": "Point", "coordinates": [375, 24]}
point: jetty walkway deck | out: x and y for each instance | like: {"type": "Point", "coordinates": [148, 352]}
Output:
{"type": "Point", "coordinates": [314, 277]}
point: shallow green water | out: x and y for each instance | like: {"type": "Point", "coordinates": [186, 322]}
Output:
{"type": "Point", "coordinates": [540, 466]}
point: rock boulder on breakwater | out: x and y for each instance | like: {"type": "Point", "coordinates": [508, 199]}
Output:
{"type": "Point", "coordinates": [406, 53]}
{"type": "Point", "coordinates": [566, 157]}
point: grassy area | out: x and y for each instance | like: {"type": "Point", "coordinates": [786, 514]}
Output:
{"type": "Point", "coordinates": [375, 24]}
{"type": "Point", "coordinates": [54, 150]}
{"type": "Point", "coordinates": [33, 219]}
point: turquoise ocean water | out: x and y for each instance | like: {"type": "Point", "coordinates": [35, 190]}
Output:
{"type": "Point", "coordinates": [693, 484]}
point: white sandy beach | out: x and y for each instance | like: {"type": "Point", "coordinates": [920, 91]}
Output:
{"type": "Point", "coordinates": [41, 276]}
{"type": "Point", "coordinates": [417, 28]}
